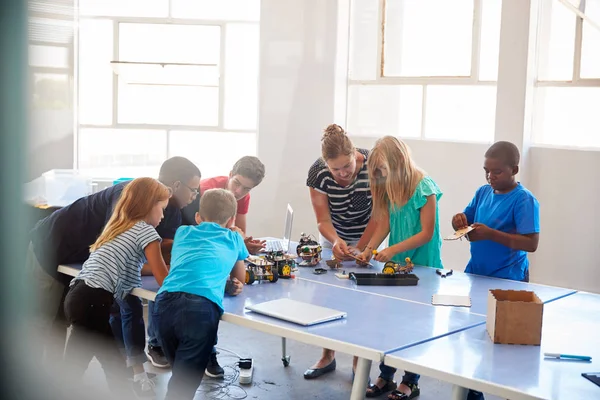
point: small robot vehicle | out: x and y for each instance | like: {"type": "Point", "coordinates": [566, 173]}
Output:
{"type": "Point", "coordinates": [309, 250]}
{"type": "Point", "coordinates": [260, 269]}
{"type": "Point", "coordinates": [391, 267]}
{"type": "Point", "coordinates": [284, 263]}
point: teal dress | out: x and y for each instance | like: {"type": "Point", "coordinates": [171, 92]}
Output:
{"type": "Point", "coordinates": [406, 222]}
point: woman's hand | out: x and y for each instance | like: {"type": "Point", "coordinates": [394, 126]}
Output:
{"type": "Point", "coordinates": [384, 255]}
{"type": "Point", "coordinates": [341, 250]}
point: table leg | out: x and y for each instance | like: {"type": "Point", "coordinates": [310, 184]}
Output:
{"type": "Point", "coordinates": [359, 388]}
{"type": "Point", "coordinates": [284, 357]}
{"type": "Point", "coordinates": [459, 392]}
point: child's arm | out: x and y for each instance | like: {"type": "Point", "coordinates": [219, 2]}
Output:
{"type": "Point", "coordinates": [156, 261]}
{"type": "Point", "coordinates": [238, 272]}
{"type": "Point", "coordinates": [381, 230]}
{"type": "Point", "coordinates": [463, 219]}
{"type": "Point", "coordinates": [427, 216]}
{"type": "Point", "coordinates": [165, 247]}
{"type": "Point", "coordinates": [368, 234]}
{"type": "Point", "coordinates": [515, 241]}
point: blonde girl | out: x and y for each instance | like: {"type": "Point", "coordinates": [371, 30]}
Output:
{"type": "Point", "coordinates": [111, 272]}
{"type": "Point", "coordinates": [405, 205]}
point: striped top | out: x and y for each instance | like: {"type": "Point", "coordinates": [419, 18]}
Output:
{"type": "Point", "coordinates": [116, 266]}
{"type": "Point", "coordinates": [350, 206]}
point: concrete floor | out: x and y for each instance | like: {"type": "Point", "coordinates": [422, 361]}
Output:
{"type": "Point", "coordinates": [271, 380]}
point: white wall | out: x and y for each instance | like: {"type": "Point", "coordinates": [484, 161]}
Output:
{"type": "Point", "coordinates": [299, 48]}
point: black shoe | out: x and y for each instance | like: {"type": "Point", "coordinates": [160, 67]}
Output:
{"type": "Point", "coordinates": [213, 369]}
{"type": "Point", "coordinates": [157, 357]}
{"type": "Point", "coordinates": [317, 372]}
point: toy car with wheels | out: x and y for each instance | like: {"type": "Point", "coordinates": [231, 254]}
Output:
{"type": "Point", "coordinates": [283, 263]}
{"type": "Point", "coordinates": [391, 267]}
{"type": "Point", "coordinates": [309, 250]}
{"type": "Point", "coordinates": [260, 269]}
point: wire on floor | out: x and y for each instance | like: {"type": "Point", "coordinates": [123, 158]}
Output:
{"type": "Point", "coordinates": [228, 387]}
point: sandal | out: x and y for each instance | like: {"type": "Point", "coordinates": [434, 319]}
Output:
{"type": "Point", "coordinates": [376, 391]}
{"type": "Point", "coordinates": [398, 395]}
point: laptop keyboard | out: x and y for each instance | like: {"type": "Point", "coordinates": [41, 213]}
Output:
{"type": "Point", "coordinates": [274, 245]}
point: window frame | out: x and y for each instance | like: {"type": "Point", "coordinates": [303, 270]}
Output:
{"type": "Point", "coordinates": [426, 81]}
{"type": "Point", "coordinates": [168, 128]}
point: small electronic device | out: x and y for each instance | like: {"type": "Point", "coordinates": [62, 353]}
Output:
{"type": "Point", "coordinates": [592, 377]}
{"type": "Point", "coordinates": [444, 272]}
{"type": "Point", "coordinates": [319, 271]}
{"type": "Point", "coordinates": [246, 371]}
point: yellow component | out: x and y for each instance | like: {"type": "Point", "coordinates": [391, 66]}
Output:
{"type": "Point", "coordinates": [407, 259]}
{"type": "Point", "coordinates": [247, 277]}
{"type": "Point", "coordinates": [270, 278]}
{"type": "Point", "coordinates": [286, 270]}
{"type": "Point", "coordinates": [389, 270]}
{"type": "Point", "coordinates": [374, 252]}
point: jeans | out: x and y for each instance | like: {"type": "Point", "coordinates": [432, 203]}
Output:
{"type": "Point", "coordinates": [88, 310]}
{"type": "Point", "coordinates": [387, 374]}
{"type": "Point", "coordinates": [187, 326]}
{"type": "Point", "coordinates": [152, 335]}
{"type": "Point", "coordinates": [127, 323]}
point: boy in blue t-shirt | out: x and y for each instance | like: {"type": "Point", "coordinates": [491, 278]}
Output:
{"type": "Point", "coordinates": [189, 304]}
{"type": "Point", "coordinates": [506, 218]}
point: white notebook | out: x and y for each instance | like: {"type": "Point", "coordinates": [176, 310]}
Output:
{"type": "Point", "coordinates": [298, 312]}
{"type": "Point", "coordinates": [451, 300]}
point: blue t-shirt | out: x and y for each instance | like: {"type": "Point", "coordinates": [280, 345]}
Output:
{"type": "Point", "coordinates": [517, 211]}
{"type": "Point", "coordinates": [201, 260]}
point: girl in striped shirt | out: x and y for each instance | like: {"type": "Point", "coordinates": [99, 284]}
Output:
{"type": "Point", "coordinates": [111, 272]}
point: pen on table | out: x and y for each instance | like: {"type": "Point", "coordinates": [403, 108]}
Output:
{"type": "Point", "coordinates": [568, 356]}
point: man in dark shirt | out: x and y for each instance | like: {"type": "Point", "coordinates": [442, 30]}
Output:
{"type": "Point", "coordinates": [65, 237]}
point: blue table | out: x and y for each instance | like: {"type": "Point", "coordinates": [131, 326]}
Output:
{"type": "Point", "coordinates": [430, 283]}
{"type": "Point", "coordinates": [364, 333]}
{"type": "Point", "coordinates": [469, 359]}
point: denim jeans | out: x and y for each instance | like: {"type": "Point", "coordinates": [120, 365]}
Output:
{"type": "Point", "coordinates": [187, 327]}
{"type": "Point", "coordinates": [127, 324]}
{"type": "Point", "coordinates": [387, 374]}
{"type": "Point", "coordinates": [152, 336]}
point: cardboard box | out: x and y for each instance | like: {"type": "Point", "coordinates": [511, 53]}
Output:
{"type": "Point", "coordinates": [514, 317]}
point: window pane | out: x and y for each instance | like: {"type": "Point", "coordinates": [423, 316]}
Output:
{"type": "Point", "coordinates": [95, 73]}
{"type": "Point", "coordinates": [490, 39]}
{"type": "Point", "coordinates": [241, 76]}
{"type": "Point", "coordinates": [465, 113]}
{"type": "Point", "coordinates": [364, 23]}
{"type": "Point", "coordinates": [51, 92]}
{"type": "Point", "coordinates": [114, 151]}
{"type": "Point", "coordinates": [243, 10]}
{"type": "Point", "coordinates": [568, 116]}
{"type": "Point", "coordinates": [175, 105]}
{"type": "Point", "coordinates": [51, 30]}
{"type": "Point", "coordinates": [590, 47]}
{"type": "Point", "coordinates": [202, 149]}
{"type": "Point", "coordinates": [125, 8]}
{"type": "Point", "coordinates": [169, 43]}
{"type": "Point", "coordinates": [444, 30]}
{"type": "Point", "coordinates": [377, 110]}
{"type": "Point", "coordinates": [48, 56]}
{"type": "Point", "coordinates": [556, 42]}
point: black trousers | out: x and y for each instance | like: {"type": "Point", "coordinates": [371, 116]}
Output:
{"type": "Point", "coordinates": [88, 311]}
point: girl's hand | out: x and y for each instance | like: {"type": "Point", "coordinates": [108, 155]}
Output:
{"type": "Point", "coordinates": [340, 250]}
{"type": "Point", "coordinates": [384, 255]}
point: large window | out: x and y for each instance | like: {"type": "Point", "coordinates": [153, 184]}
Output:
{"type": "Point", "coordinates": [160, 78]}
{"type": "Point", "coordinates": [423, 68]}
{"type": "Point", "coordinates": [568, 83]}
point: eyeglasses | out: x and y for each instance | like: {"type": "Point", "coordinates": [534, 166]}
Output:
{"type": "Point", "coordinates": [195, 191]}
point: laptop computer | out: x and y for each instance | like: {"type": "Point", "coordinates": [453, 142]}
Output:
{"type": "Point", "coordinates": [283, 245]}
{"type": "Point", "coordinates": [298, 312]}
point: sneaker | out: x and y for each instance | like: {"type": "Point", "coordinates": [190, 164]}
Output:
{"type": "Point", "coordinates": [144, 388]}
{"type": "Point", "coordinates": [213, 369]}
{"type": "Point", "coordinates": [157, 357]}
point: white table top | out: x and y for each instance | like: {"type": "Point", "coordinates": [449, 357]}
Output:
{"type": "Point", "coordinates": [571, 325]}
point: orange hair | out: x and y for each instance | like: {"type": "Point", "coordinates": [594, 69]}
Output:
{"type": "Point", "coordinates": [136, 202]}
{"type": "Point", "coordinates": [403, 175]}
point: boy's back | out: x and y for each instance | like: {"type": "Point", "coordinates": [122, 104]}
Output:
{"type": "Point", "coordinates": [201, 260]}
{"type": "Point", "coordinates": [514, 212]}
